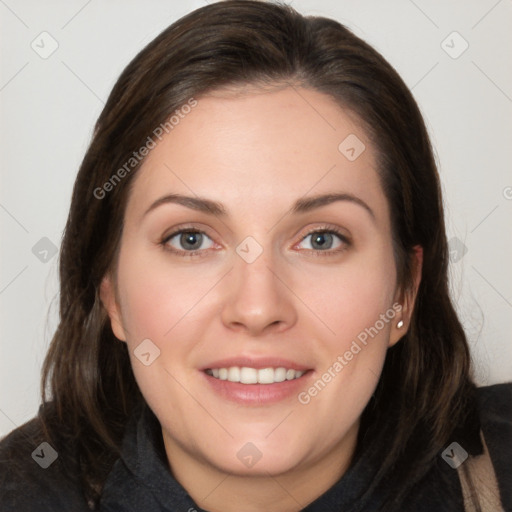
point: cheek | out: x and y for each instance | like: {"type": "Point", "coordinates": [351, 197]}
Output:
{"type": "Point", "coordinates": [157, 304]}
{"type": "Point", "coordinates": [357, 304]}
{"type": "Point", "coordinates": [156, 296]}
{"type": "Point", "coordinates": [360, 313]}
{"type": "Point", "coordinates": [351, 297]}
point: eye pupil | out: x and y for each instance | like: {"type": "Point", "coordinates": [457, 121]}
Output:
{"type": "Point", "coordinates": [322, 240]}
{"type": "Point", "coordinates": [191, 240]}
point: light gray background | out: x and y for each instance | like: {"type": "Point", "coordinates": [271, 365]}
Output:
{"type": "Point", "coordinates": [48, 108]}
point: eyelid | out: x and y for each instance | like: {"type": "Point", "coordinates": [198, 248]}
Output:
{"type": "Point", "coordinates": [177, 230]}
{"type": "Point", "coordinates": [183, 229]}
{"type": "Point", "coordinates": [328, 228]}
{"type": "Point", "coordinates": [345, 240]}
{"type": "Point", "coordinates": [323, 228]}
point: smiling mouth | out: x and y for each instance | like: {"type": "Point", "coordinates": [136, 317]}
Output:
{"type": "Point", "coordinates": [247, 375]}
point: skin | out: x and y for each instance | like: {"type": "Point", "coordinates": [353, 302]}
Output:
{"type": "Point", "coordinates": [257, 151]}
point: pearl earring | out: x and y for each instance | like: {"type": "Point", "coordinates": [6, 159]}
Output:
{"type": "Point", "coordinates": [400, 324]}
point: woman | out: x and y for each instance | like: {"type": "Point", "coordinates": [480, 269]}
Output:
{"type": "Point", "coordinates": [254, 303]}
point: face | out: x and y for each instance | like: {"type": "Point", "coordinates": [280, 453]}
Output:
{"type": "Point", "coordinates": [256, 285]}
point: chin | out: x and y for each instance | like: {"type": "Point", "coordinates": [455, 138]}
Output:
{"type": "Point", "coordinates": [262, 464]}
{"type": "Point", "coordinates": [257, 457]}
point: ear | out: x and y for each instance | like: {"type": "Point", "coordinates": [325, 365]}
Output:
{"type": "Point", "coordinates": [407, 299]}
{"type": "Point", "coordinates": [109, 301]}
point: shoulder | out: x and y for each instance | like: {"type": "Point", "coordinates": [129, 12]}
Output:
{"type": "Point", "coordinates": [495, 410]}
{"type": "Point", "coordinates": [33, 477]}
{"type": "Point", "coordinates": [495, 400]}
{"type": "Point", "coordinates": [495, 406]}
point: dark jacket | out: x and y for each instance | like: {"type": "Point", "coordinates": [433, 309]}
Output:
{"type": "Point", "coordinates": [34, 479]}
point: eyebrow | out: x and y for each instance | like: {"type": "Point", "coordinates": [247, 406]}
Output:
{"type": "Point", "coordinates": [302, 205]}
{"type": "Point", "coordinates": [200, 204]}
{"type": "Point", "coordinates": [307, 204]}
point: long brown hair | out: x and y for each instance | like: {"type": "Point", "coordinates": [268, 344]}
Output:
{"type": "Point", "coordinates": [87, 378]}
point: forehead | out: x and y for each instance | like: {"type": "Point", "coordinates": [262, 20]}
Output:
{"type": "Point", "coordinates": [249, 146]}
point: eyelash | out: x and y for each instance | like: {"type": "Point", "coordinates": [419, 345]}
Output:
{"type": "Point", "coordinates": [332, 230]}
{"type": "Point", "coordinates": [185, 254]}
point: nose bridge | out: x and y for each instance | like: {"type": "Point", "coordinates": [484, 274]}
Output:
{"type": "Point", "coordinates": [255, 259]}
{"type": "Point", "coordinates": [256, 277]}
{"type": "Point", "coordinates": [256, 298]}
{"type": "Point", "coordinates": [256, 284]}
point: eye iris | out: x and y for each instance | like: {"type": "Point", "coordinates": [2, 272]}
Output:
{"type": "Point", "coordinates": [191, 240]}
{"type": "Point", "coordinates": [321, 240]}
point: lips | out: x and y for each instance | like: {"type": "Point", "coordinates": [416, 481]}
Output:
{"type": "Point", "coordinates": [256, 363]}
{"type": "Point", "coordinates": [256, 380]}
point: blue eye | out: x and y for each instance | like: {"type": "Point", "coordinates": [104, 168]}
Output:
{"type": "Point", "coordinates": [188, 241]}
{"type": "Point", "coordinates": [325, 240]}
{"type": "Point", "coordinates": [193, 242]}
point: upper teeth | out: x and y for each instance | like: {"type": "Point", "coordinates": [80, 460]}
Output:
{"type": "Point", "coordinates": [246, 375]}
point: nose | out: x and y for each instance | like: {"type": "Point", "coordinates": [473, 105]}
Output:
{"type": "Point", "coordinates": [257, 299]}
